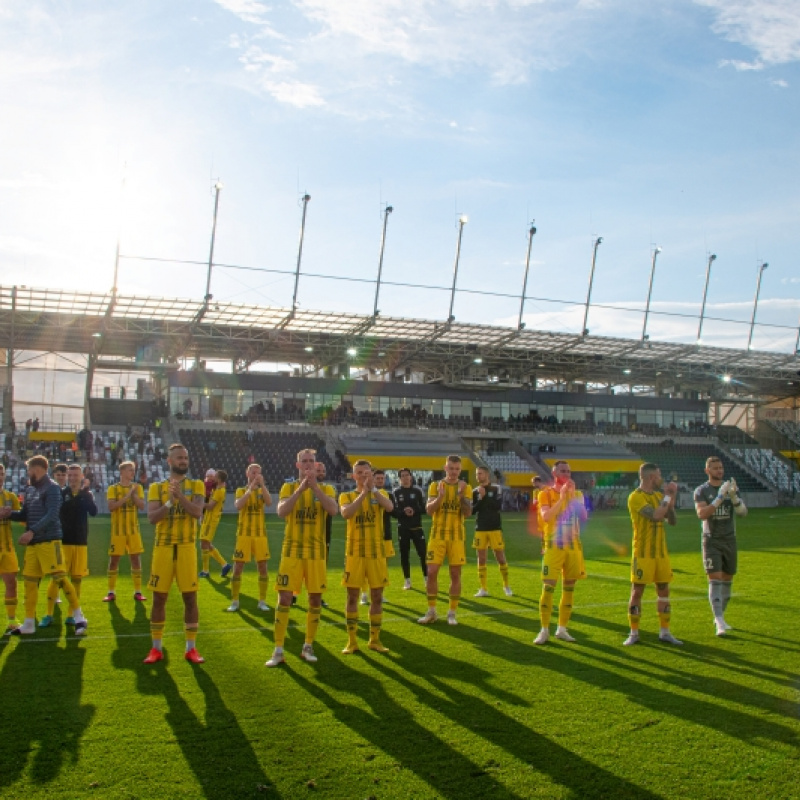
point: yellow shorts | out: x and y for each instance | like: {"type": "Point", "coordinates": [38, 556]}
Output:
{"type": "Point", "coordinates": [294, 572]}
{"type": "Point", "coordinates": [360, 571]}
{"type": "Point", "coordinates": [126, 543]}
{"type": "Point", "coordinates": [453, 550]}
{"type": "Point", "coordinates": [567, 564]}
{"type": "Point", "coordinates": [486, 539]}
{"type": "Point", "coordinates": [651, 570]}
{"type": "Point", "coordinates": [76, 560]}
{"type": "Point", "coordinates": [174, 562]}
{"type": "Point", "coordinates": [388, 548]}
{"type": "Point", "coordinates": [46, 558]}
{"type": "Point", "coordinates": [208, 530]}
{"type": "Point", "coordinates": [255, 547]}
{"type": "Point", "coordinates": [9, 565]}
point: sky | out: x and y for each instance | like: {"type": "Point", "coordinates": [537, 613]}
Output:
{"type": "Point", "coordinates": [671, 124]}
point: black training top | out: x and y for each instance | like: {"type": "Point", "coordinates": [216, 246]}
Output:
{"type": "Point", "coordinates": [487, 508]}
{"type": "Point", "coordinates": [412, 498]}
{"type": "Point", "coordinates": [75, 512]}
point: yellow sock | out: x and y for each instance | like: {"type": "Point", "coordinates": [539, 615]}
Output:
{"type": "Point", "coordinates": [634, 617]}
{"type": "Point", "coordinates": [312, 623]}
{"type": "Point", "coordinates": [432, 601]}
{"type": "Point", "coordinates": [236, 587]}
{"type": "Point", "coordinates": [565, 606]}
{"type": "Point", "coordinates": [352, 629]}
{"type": "Point", "coordinates": [76, 585]}
{"type": "Point", "coordinates": [263, 583]}
{"type": "Point", "coordinates": [11, 607]}
{"type": "Point", "coordinates": [65, 584]}
{"type": "Point", "coordinates": [482, 573]}
{"type": "Point", "coordinates": [217, 556]}
{"type": "Point", "coordinates": [454, 600]}
{"type": "Point", "coordinates": [136, 574]}
{"type": "Point", "coordinates": [546, 604]}
{"type": "Point", "coordinates": [157, 634]}
{"type": "Point", "coordinates": [664, 612]}
{"type": "Point", "coordinates": [504, 573]}
{"type": "Point", "coordinates": [206, 560]}
{"type": "Point", "coordinates": [52, 595]}
{"type": "Point", "coordinates": [190, 632]}
{"type": "Point", "coordinates": [112, 580]}
{"type": "Point", "coordinates": [375, 621]}
{"type": "Point", "coordinates": [31, 596]}
{"type": "Point", "coordinates": [281, 624]}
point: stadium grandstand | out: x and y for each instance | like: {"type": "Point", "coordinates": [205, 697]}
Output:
{"type": "Point", "coordinates": [401, 392]}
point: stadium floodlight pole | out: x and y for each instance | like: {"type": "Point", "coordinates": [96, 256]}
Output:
{"type": "Point", "coordinates": [462, 221]}
{"type": "Point", "coordinates": [531, 234]}
{"type": "Point", "coordinates": [761, 269]}
{"type": "Point", "coordinates": [597, 242]}
{"type": "Point", "coordinates": [218, 189]}
{"type": "Point", "coordinates": [797, 341]}
{"type": "Point", "coordinates": [711, 259]}
{"type": "Point", "coordinates": [306, 198]}
{"type": "Point", "coordinates": [388, 210]}
{"type": "Point", "coordinates": [656, 251]}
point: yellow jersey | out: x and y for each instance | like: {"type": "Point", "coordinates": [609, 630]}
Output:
{"type": "Point", "coordinates": [365, 529]}
{"type": "Point", "coordinates": [125, 519]}
{"type": "Point", "coordinates": [448, 522]}
{"type": "Point", "coordinates": [564, 530]}
{"type": "Point", "coordinates": [7, 500]}
{"type": "Point", "coordinates": [177, 527]}
{"type": "Point", "coordinates": [251, 516]}
{"type": "Point", "coordinates": [218, 496]}
{"type": "Point", "coordinates": [649, 536]}
{"type": "Point", "coordinates": [304, 534]}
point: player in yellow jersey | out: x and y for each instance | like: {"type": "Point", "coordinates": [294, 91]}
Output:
{"type": "Point", "coordinates": [252, 502]}
{"type": "Point", "coordinates": [125, 501]}
{"type": "Point", "coordinates": [561, 514]}
{"type": "Point", "coordinates": [9, 565]}
{"type": "Point", "coordinates": [305, 505]}
{"type": "Point", "coordinates": [486, 505]}
{"type": "Point", "coordinates": [175, 506]}
{"type": "Point", "coordinates": [379, 476]}
{"type": "Point", "coordinates": [649, 509]}
{"type": "Point", "coordinates": [212, 513]}
{"type": "Point", "coordinates": [365, 553]}
{"type": "Point", "coordinates": [449, 504]}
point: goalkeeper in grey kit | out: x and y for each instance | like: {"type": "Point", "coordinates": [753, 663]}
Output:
{"type": "Point", "coordinates": [717, 504]}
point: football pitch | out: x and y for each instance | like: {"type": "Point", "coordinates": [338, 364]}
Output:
{"type": "Point", "coordinates": [473, 711]}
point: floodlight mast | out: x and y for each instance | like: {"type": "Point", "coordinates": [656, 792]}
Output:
{"type": "Point", "coordinates": [306, 198]}
{"type": "Point", "coordinates": [711, 259]}
{"type": "Point", "coordinates": [462, 221]}
{"type": "Point", "coordinates": [531, 234]}
{"type": "Point", "coordinates": [656, 251]}
{"type": "Point", "coordinates": [761, 269]}
{"type": "Point", "coordinates": [218, 189]}
{"type": "Point", "coordinates": [388, 210]}
{"type": "Point", "coordinates": [597, 242]}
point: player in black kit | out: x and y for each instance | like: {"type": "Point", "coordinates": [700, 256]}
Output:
{"type": "Point", "coordinates": [409, 506]}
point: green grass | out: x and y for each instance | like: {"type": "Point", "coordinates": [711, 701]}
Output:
{"type": "Point", "coordinates": [474, 711]}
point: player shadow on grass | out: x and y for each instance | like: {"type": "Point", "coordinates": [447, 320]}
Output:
{"type": "Point", "coordinates": [604, 667]}
{"type": "Point", "coordinates": [42, 686]}
{"type": "Point", "coordinates": [702, 652]}
{"type": "Point", "coordinates": [389, 726]}
{"type": "Point", "coordinates": [206, 743]}
{"type": "Point", "coordinates": [478, 710]}
{"type": "Point", "coordinates": [129, 628]}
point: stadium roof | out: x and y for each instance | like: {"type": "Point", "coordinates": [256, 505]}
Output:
{"type": "Point", "coordinates": [108, 326]}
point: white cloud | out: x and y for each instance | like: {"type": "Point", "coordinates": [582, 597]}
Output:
{"type": "Point", "coordinates": [295, 93]}
{"type": "Point", "coordinates": [769, 27]}
{"type": "Point", "coordinates": [742, 66]}
{"type": "Point", "coordinates": [780, 83]}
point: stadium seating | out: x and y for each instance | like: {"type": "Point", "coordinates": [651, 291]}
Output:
{"type": "Point", "coordinates": [789, 429]}
{"type": "Point", "coordinates": [772, 468]}
{"type": "Point", "coordinates": [275, 451]}
{"type": "Point", "coordinates": [505, 462]}
{"type": "Point", "coordinates": [687, 462]}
